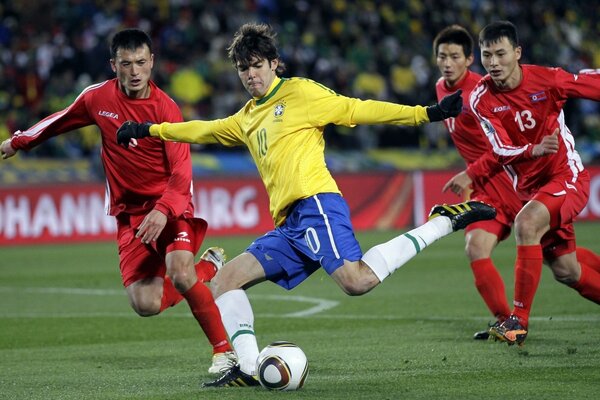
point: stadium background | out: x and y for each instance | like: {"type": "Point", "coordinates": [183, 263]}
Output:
{"type": "Point", "coordinates": [51, 50]}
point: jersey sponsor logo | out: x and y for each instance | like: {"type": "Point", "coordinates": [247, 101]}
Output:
{"type": "Point", "coordinates": [500, 109]}
{"type": "Point", "coordinates": [108, 114]}
{"type": "Point", "coordinates": [539, 96]}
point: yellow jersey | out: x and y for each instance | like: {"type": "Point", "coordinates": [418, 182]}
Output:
{"type": "Point", "coordinates": [283, 131]}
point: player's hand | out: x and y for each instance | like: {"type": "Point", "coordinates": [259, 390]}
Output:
{"type": "Point", "coordinates": [459, 183]}
{"type": "Point", "coordinates": [449, 106]}
{"type": "Point", "coordinates": [6, 149]}
{"type": "Point", "coordinates": [152, 226]}
{"type": "Point", "coordinates": [548, 145]}
{"type": "Point", "coordinates": [132, 130]}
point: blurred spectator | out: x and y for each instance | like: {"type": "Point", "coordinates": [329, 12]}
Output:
{"type": "Point", "coordinates": [50, 49]}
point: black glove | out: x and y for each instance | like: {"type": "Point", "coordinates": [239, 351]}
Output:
{"type": "Point", "coordinates": [132, 130]}
{"type": "Point", "coordinates": [449, 106]}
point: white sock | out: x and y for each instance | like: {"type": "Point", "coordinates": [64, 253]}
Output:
{"type": "Point", "coordinates": [387, 257]}
{"type": "Point", "coordinates": [238, 320]}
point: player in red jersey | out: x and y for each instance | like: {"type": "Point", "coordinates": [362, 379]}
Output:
{"type": "Point", "coordinates": [519, 108]}
{"type": "Point", "coordinates": [453, 48]}
{"type": "Point", "coordinates": [149, 190]}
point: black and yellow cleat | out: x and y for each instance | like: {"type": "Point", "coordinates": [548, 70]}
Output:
{"type": "Point", "coordinates": [233, 378]}
{"type": "Point", "coordinates": [463, 214]}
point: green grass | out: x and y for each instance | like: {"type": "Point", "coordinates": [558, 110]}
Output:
{"type": "Point", "coordinates": [67, 332]}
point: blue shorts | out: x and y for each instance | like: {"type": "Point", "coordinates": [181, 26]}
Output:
{"type": "Point", "coordinates": [316, 233]}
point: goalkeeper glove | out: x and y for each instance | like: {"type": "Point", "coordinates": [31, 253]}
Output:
{"type": "Point", "coordinates": [449, 106]}
{"type": "Point", "coordinates": [132, 130]}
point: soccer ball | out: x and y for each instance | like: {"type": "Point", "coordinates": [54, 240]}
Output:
{"type": "Point", "coordinates": [282, 366]}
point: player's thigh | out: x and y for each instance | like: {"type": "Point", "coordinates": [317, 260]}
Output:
{"type": "Point", "coordinates": [242, 272]}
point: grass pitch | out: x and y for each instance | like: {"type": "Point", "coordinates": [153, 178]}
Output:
{"type": "Point", "coordinates": [67, 332]}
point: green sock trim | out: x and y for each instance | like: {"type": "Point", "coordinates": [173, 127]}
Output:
{"type": "Point", "coordinates": [415, 242]}
{"type": "Point", "coordinates": [242, 332]}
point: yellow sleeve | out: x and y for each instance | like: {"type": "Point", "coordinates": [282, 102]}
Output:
{"type": "Point", "coordinates": [226, 131]}
{"type": "Point", "coordinates": [325, 106]}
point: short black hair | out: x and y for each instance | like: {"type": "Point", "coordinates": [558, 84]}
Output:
{"type": "Point", "coordinates": [129, 39]}
{"type": "Point", "coordinates": [454, 34]}
{"type": "Point", "coordinates": [254, 41]}
{"type": "Point", "coordinates": [494, 32]}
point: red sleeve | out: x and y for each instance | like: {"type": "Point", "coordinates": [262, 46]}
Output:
{"type": "Point", "coordinates": [73, 117]}
{"type": "Point", "coordinates": [176, 198]}
{"type": "Point", "coordinates": [484, 168]}
{"type": "Point", "coordinates": [585, 85]}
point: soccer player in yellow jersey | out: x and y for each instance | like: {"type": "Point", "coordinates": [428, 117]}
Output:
{"type": "Point", "coordinates": [282, 127]}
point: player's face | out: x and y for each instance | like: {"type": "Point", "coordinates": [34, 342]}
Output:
{"type": "Point", "coordinates": [257, 76]}
{"type": "Point", "coordinates": [452, 62]}
{"type": "Point", "coordinates": [133, 69]}
{"type": "Point", "coordinates": [501, 61]}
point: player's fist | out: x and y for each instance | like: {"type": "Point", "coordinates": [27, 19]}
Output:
{"type": "Point", "coordinates": [6, 149]}
{"type": "Point", "coordinates": [132, 130]}
{"type": "Point", "coordinates": [449, 106]}
{"type": "Point", "coordinates": [548, 145]}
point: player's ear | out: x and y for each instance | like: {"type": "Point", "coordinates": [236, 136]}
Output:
{"type": "Point", "coordinates": [470, 60]}
{"type": "Point", "coordinates": [274, 64]}
{"type": "Point", "coordinates": [112, 65]}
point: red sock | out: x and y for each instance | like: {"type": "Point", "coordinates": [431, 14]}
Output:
{"type": "Point", "coordinates": [205, 270]}
{"type": "Point", "coordinates": [589, 283]}
{"type": "Point", "coordinates": [528, 271]}
{"type": "Point", "coordinates": [490, 285]}
{"type": "Point", "coordinates": [207, 314]}
{"type": "Point", "coordinates": [588, 257]}
{"type": "Point", "coordinates": [170, 295]}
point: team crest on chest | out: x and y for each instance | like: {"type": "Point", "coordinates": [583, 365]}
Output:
{"type": "Point", "coordinates": [279, 110]}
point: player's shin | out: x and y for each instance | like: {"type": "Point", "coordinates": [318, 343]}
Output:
{"type": "Point", "coordinates": [387, 257]}
{"type": "Point", "coordinates": [238, 319]}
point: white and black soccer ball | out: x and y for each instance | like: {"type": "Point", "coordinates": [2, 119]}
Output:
{"type": "Point", "coordinates": [282, 366]}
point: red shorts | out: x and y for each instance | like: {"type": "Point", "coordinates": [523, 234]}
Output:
{"type": "Point", "coordinates": [564, 201]}
{"type": "Point", "coordinates": [140, 261]}
{"type": "Point", "coordinates": [499, 193]}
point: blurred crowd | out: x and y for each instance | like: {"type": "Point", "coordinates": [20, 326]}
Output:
{"type": "Point", "coordinates": [52, 49]}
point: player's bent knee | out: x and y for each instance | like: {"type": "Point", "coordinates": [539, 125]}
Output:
{"type": "Point", "coordinates": [146, 308]}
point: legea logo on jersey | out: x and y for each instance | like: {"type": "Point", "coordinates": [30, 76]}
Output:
{"type": "Point", "coordinates": [539, 96]}
{"type": "Point", "coordinates": [108, 114]}
{"type": "Point", "coordinates": [183, 237]}
{"type": "Point", "coordinates": [279, 110]}
{"type": "Point", "coordinates": [501, 108]}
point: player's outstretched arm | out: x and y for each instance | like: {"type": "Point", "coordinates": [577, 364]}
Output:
{"type": "Point", "coordinates": [6, 149]}
{"type": "Point", "coordinates": [449, 106]}
{"type": "Point", "coordinates": [132, 130]}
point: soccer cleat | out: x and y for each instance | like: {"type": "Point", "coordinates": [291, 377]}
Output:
{"type": "Point", "coordinates": [215, 255]}
{"type": "Point", "coordinates": [221, 362]}
{"type": "Point", "coordinates": [485, 335]}
{"type": "Point", "coordinates": [463, 214]}
{"type": "Point", "coordinates": [510, 331]}
{"type": "Point", "coordinates": [234, 377]}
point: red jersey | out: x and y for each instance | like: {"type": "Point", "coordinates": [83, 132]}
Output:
{"type": "Point", "coordinates": [153, 174]}
{"type": "Point", "coordinates": [516, 120]}
{"type": "Point", "coordinates": [490, 183]}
